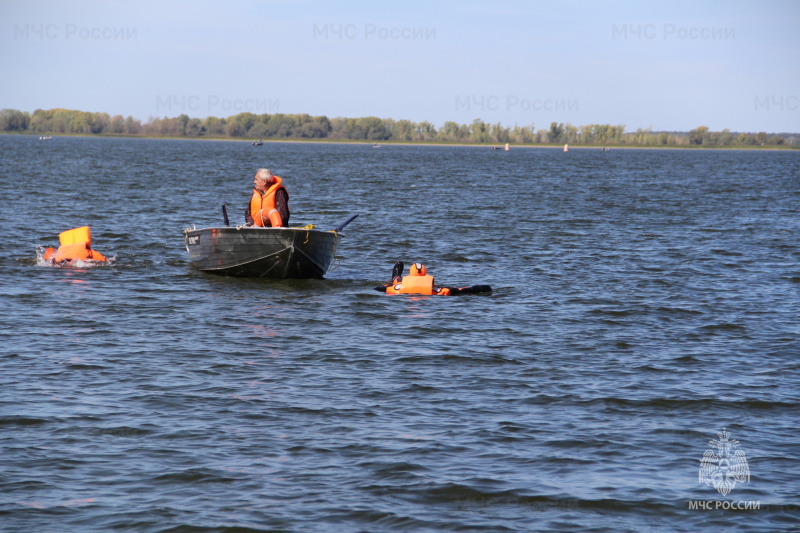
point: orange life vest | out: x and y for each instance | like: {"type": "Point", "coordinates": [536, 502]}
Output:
{"type": "Point", "coordinates": [413, 285]}
{"type": "Point", "coordinates": [75, 245]}
{"type": "Point", "coordinates": [262, 206]}
{"type": "Point", "coordinates": [73, 252]}
{"type": "Point", "coordinates": [79, 251]}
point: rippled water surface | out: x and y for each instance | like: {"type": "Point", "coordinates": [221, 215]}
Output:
{"type": "Point", "coordinates": [644, 300]}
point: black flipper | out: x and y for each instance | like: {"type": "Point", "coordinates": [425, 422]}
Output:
{"type": "Point", "coordinates": [397, 271]}
{"type": "Point", "coordinates": [475, 289]}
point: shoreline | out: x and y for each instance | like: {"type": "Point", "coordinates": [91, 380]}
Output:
{"type": "Point", "coordinates": [608, 147]}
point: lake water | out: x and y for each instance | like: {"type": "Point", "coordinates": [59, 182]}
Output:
{"type": "Point", "coordinates": [644, 300]}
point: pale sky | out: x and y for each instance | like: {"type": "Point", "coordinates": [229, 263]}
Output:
{"type": "Point", "coordinates": [667, 65]}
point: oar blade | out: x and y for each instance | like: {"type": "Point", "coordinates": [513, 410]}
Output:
{"type": "Point", "coordinates": [341, 226]}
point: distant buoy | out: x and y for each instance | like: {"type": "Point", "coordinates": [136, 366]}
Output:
{"type": "Point", "coordinates": [506, 147]}
{"type": "Point", "coordinates": [566, 148]}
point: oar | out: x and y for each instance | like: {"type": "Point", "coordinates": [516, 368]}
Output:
{"type": "Point", "coordinates": [341, 226]}
{"type": "Point", "coordinates": [225, 215]}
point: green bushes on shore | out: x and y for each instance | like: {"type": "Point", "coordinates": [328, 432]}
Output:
{"type": "Point", "coordinates": [374, 129]}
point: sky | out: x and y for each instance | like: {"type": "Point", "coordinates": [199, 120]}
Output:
{"type": "Point", "coordinates": [665, 65]}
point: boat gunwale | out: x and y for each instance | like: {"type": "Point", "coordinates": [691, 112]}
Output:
{"type": "Point", "coordinates": [256, 228]}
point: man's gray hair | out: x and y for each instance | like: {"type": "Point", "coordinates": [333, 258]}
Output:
{"type": "Point", "coordinates": [264, 174]}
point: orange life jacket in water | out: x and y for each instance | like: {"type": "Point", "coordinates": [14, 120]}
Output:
{"type": "Point", "coordinates": [417, 285]}
{"type": "Point", "coordinates": [75, 246]}
{"type": "Point", "coordinates": [262, 206]}
{"type": "Point", "coordinates": [73, 252]}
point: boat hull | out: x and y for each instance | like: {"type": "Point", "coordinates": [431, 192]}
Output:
{"type": "Point", "coordinates": [277, 253]}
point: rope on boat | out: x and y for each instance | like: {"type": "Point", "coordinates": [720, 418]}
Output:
{"type": "Point", "coordinates": [336, 261]}
{"type": "Point", "coordinates": [336, 264]}
{"type": "Point", "coordinates": [308, 232]}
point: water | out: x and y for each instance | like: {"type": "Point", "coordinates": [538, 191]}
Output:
{"type": "Point", "coordinates": [644, 300]}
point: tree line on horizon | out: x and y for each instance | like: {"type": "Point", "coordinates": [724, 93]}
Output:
{"type": "Point", "coordinates": [303, 126]}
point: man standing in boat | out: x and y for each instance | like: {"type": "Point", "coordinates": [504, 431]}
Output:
{"type": "Point", "coordinates": [269, 205]}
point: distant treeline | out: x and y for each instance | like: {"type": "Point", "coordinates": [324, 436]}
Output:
{"type": "Point", "coordinates": [374, 129]}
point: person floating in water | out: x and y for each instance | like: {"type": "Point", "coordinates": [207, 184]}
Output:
{"type": "Point", "coordinates": [76, 245]}
{"type": "Point", "coordinates": [269, 205]}
{"type": "Point", "coordinates": [419, 281]}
